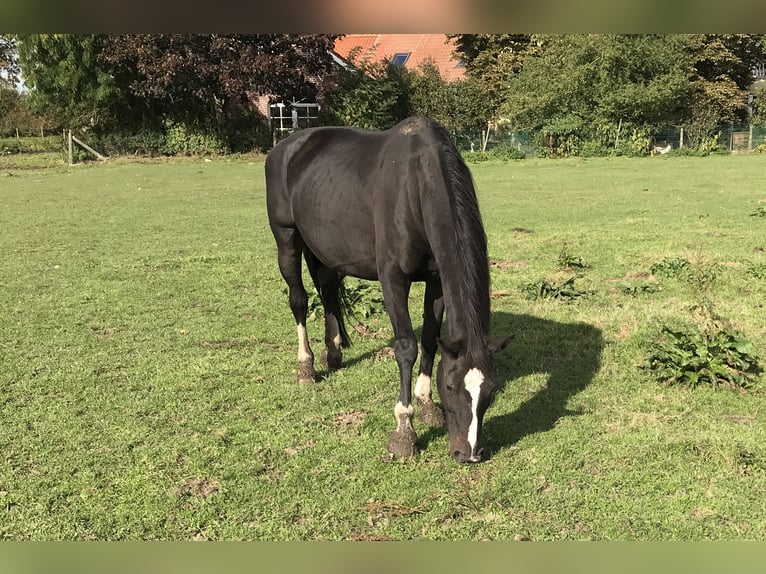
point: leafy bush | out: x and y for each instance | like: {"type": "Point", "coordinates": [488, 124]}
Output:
{"type": "Point", "coordinates": [709, 352]}
{"type": "Point", "coordinates": [567, 259]}
{"type": "Point", "coordinates": [637, 144]}
{"type": "Point", "coordinates": [503, 152]}
{"type": "Point", "coordinates": [363, 299]}
{"type": "Point", "coordinates": [670, 267]}
{"type": "Point", "coordinates": [639, 287]}
{"type": "Point", "coordinates": [593, 148]}
{"type": "Point", "coordinates": [757, 270]}
{"type": "Point", "coordinates": [566, 291]}
{"type": "Point", "coordinates": [693, 357]}
{"type": "Point", "coordinates": [143, 141]}
{"type": "Point", "coordinates": [183, 139]}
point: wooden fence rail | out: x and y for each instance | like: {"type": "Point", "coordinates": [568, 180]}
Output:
{"type": "Point", "coordinates": [74, 140]}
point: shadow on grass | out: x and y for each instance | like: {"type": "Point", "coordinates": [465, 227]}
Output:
{"type": "Point", "coordinates": [569, 353]}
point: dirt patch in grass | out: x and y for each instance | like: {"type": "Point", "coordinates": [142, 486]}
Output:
{"type": "Point", "coordinates": [506, 264]}
{"type": "Point", "coordinates": [200, 487]}
{"type": "Point", "coordinates": [385, 354]}
{"type": "Point", "coordinates": [350, 419]}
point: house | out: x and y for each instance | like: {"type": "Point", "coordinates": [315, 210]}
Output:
{"type": "Point", "coordinates": [408, 50]}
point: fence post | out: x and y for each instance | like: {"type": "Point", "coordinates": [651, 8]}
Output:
{"type": "Point", "coordinates": [681, 139]}
{"type": "Point", "coordinates": [69, 138]}
{"type": "Point", "coordinates": [750, 138]}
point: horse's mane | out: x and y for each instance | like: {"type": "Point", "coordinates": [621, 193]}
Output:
{"type": "Point", "coordinates": [471, 248]}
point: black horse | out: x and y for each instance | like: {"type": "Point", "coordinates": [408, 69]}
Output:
{"type": "Point", "coordinates": [396, 206]}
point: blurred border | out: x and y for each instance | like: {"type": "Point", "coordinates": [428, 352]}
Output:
{"type": "Point", "coordinates": [381, 557]}
{"type": "Point", "coordinates": [373, 16]}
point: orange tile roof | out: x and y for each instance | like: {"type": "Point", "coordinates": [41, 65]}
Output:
{"type": "Point", "coordinates": [421, 47]}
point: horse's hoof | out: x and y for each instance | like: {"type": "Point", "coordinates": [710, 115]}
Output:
{"type": "Point", "coordinates": [430, 414]}
{"type": "Point", "coordinates": [306, 374]}
{"type": "Point", "coordinates": [402, 444]}
{"type": "Point", "coordinates": [331, 360]}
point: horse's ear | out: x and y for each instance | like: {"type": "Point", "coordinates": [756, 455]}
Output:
{"type": "Point", "coordinates": [497, 344]}
{"type": "Point", "coordinates": [449, 350]}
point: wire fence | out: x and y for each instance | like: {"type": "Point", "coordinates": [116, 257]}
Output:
{"type": "Point", "coordinates": [728, 137]}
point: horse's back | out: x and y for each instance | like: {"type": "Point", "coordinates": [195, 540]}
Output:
{"type": "Point", "coordinates": [347, 190]}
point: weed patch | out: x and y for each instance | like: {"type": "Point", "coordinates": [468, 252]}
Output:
{"type": "Point", "coordinates": [635, 288]}
{"type": "Point", "coordinates": [670, 267]}
{"type": "Point", "coordinates": [707, 352]}
{"type": "Point", "coordinates": [569, 260]}
{"type": "Point", "coordinates": [692, 357]}
{"type": "Point", "coordinates": [544, 289]}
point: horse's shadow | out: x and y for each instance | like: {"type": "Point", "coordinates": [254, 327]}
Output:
{"type": "Point", "coordinates": [569, 353]}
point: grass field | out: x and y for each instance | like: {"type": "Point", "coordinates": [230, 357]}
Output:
{"type": "Point", "coordinates": [147, 388]}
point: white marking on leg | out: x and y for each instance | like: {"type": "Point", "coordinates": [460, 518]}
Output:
{"type": "Point", "coordinates": [403, 415]}
{"type": "Point", "coordinates": [472, 381]}
{"type": "Point", "coordinates": [304, 350]}
{"type": "Point", "coordinates": [333, 330]}
{"type": "Point", "coordinates": [423, 388]}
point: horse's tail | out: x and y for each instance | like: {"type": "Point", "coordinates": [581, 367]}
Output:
{"type": "Point", "coordinates": [314, 265]}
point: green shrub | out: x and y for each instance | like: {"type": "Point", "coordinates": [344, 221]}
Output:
{"type": "Point", "coordinates": [143, 141]}
{"type": "Point", "coordinates": [670, 267]}
{"type": "Point", "coordinates": [594, 148]}
{"type": "Point", "coordinates": [637, 144]}
{"type": "Point", "coordinates": [693, 357]}
{"type": "Point", "coordinates": [635, 288]}
{"type": "Point", "coordinates": [543, 289]}
{"type": "Point", "coordinates": [503, 152]}
{"type": "Point", "coordinates": [757, 270]}
{"type": "Point", "coordinates": [568, 260]}
{"type": "Point", "coordinates": [183, 139]}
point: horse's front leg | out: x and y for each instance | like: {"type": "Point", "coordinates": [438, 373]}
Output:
{"type": "Point", "coordinates": [403, 441]}
{"type": "Point", "coordinates": [433, 312]}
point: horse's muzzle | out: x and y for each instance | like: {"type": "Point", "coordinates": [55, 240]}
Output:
{"type": "Point", "coordinates": [468, 457]}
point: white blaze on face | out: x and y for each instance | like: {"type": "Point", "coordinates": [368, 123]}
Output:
{"type": "Point", "coordinates": [472, 381]}
{"type": "Point", "coordinates": [304, 351]}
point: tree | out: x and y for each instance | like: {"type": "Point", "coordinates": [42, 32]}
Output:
{"type": "Point", "coordinates": [491, 60]}
{"type": "Point", "coordinates": [9, 62]}
{"type": "Point", "coordinates": [66, 78]}
{"type": "Point", "coordinates": [615, 90]}
{"type": "Point", "coordinates": [723, 73]}
{"type": "Point", "coordinates": [457, 105]}
{"type": "Point", "coordinates": [371, 95]}
{"type": "Point", "coordinates": [597, 88]}
{"type": "Point", "coordinates": [211, 75]}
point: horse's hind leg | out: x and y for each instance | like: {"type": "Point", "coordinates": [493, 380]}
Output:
{"type": "Point", "coordinates": [433, 312]}
{"type": "Point", "coordinates": [332, 356]}
{"type": "Point", "coordinates": [289, 247]}
{"type": "Point", "coordinates": [328, 284]}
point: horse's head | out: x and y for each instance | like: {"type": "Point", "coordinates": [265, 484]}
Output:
{"type": "Point", "coordinates": [466, 391]}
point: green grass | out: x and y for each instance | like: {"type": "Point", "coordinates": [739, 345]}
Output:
{"type": "Point", "coordinates": [147, 388]}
